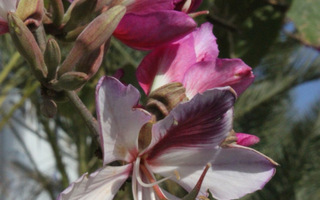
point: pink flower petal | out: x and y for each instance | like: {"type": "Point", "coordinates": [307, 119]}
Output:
{"type": "Point", "coordinates": [166, 64]}
{"type": "Point", "coordinates": [223, 72]}
{"type": "Point", "coordinates": [147, 6]}
{"type": "Point", "coordinates": [101, 185]}
{"type": "Point", "coordinates": [246, 139]}
{"type": "Point", "coordinates": [205, 44]}
{"type": "Point", "coordinates": [147, 31]}
{"type": "Point", "coordinates": [201, 123]}
{"type": "Point", "coordinates": [235, 172]}
{"type": "Point", "coordinates": [119, 122]}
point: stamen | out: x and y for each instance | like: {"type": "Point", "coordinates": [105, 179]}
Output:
{"type": "Point", "coordinates": [177, 174]}
{"type": "Point", "coordinates": [148, 174]}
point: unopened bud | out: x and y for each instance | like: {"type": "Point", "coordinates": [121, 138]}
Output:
{"type": "Point", "coordinates": [31, 12]}
{"type": "Point", "coordinates": [164, 99]}
{"type": "Point", "coordinates": [93, 36]}
{"type": "Point", "coordinates": [91, 63]}
{"type": "Point", "coordinates": [78, 13]}
{"type": "Point", "coordinates": [71, 81]}
{"type": "Point", "coordinates": [52, 58]}
{"type": "Point", "coordinates": [48, 108]}
{"type": "Point", "coordinates": [27, 46]}
{"type": "Point", "coordinates": [58, 11]}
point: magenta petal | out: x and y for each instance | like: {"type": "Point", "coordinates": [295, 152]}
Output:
{"type": "Point", "coordinates": [240, 74]}
{"type": "Point", "coordinates": [147, 31]}
{"type": "Point", "coordinates": [205, 44]}
{"type": "Point", "coordinates": [3, 27]}
{"type": "Point", "coordinates": [201, 123]}
{"type": "Point", "coordinates": [246, 139]}
{"type": "Point", "coordinates": [147, 6]}
{"type": "Point", "coordinates": [120, 122]}
{"type": "Point", "coordinates": [225, 72]}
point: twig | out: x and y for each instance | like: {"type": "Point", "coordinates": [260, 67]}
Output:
{"type": "Point", "coordinates": [86, 115]}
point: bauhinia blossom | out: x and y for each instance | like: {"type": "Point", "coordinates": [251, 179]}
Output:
{"type": "Point", "coordinates": [148, 24]}
{"type": "Point", "coordinates": [193, 61]}
{"type": "Point", "coordinates": [5, 7]}
{"type": "Point", "coordinates": [177, 147]}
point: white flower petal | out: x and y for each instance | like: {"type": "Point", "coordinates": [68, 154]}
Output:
{"type": "Point", "coordinates": [235, 172]}
{"type": "Point", "coordinates": [120, 122]}
{"type": "Point", "coordinates": [101, 185]}
{"type": "Point", "coordinates": [6, 6]}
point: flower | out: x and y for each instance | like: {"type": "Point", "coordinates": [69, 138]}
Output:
{"type": "Point", "coordinates": [193, 62]}
{"type": "Point", "coordinates": [148, 24]}
{"type": "Point", "coordinates": [180, 145]}
{"type": "Point", "coordinates": [5, 7]}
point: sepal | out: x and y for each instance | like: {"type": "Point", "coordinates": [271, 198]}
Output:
{"type": "Point", "coordinates": [70, 81]}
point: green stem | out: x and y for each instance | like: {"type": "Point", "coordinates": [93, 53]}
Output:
{"type": "Point", "coordinates": [86, 115]}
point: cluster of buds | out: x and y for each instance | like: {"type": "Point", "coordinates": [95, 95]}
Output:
{"type": "Point", "coordinates": [27, 28]}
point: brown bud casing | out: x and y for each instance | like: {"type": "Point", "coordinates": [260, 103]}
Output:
{"type": "Point", "coordinates": [164, 99]}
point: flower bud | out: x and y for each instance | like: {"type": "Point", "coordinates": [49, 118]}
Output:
{"type": "Point", "coordinates": [52, 58]}
{"type": "Point", "coordinates": [70, 81]}
{"type": "Point", "coordinates": [93, 36]}
{"type": "Point", "coordinates": [58, 11]}
{"type": "Point", "coordinates": [90, 64]}
{"type": "Point", "coordinates": [78, 13]}
{"type": "Point", "coordinates": [48, 108]}
{"type": "Point", "coordinates": [27, 46]}
{"type": "Point", "coordinates": [31, 12]}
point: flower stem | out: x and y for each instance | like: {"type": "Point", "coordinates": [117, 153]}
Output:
{"type": "Point", "coordinates": [86, 115]}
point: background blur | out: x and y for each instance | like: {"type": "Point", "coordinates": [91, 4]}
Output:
{"type": "Point", "coordinates": [279, 39]}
